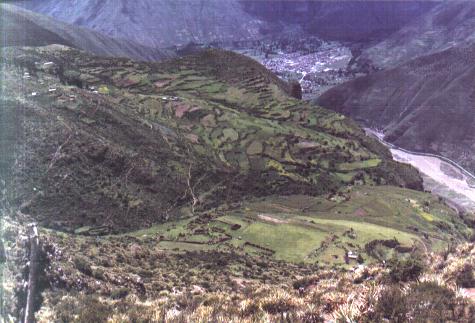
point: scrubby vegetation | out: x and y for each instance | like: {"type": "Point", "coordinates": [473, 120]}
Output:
{"type": "Point", "coordinates": [320, 296]}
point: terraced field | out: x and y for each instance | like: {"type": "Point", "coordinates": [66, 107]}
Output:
{"type": "Point", "coordinates": [300, 228]}
{"type": "Point", "coordinates": [140, 143]}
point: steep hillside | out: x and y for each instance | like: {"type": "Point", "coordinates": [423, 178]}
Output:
{"type": "Point", "coordinates": [169, 22]}
{"type": "Point", "coordinates": [149, 139]}
{"type": "Point", "coordinates": [448, 24]}
{"type": "Point", "coordinates": [157, 23]}
{"type": "Point", "coordinates": [352, 20]}
{"type": "Point", "coordinates": [20, 27]}
{"type": "Point", "coordinates": [427, 104]}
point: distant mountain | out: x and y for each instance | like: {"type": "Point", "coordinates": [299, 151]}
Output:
{"type": "Point", "coordinates": [163, 23]}
{"type": "Point", "coordinates": [448, 24]}
{"type": "Point", "coordinates": [353, 20]}
{"type": "Point", "coordinates": [20, 27]}
{"type": "Point", "coordinates": [427, 104]}
{"type": "Point", "coordinates": [157, 23]}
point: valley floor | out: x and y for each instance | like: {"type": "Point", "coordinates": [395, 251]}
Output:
{"type": "Point", "coordinates": [440, 177]}
{"type": "Point", "coordinates": [316, 64]}
{"type": "Point", "coordinates": [451, 184]}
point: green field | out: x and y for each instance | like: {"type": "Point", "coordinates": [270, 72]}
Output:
{"type": "Point", "coordinates": [301, 228]}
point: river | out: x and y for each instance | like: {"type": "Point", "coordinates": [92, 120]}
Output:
{"type": "Point", "coordinates": [441, 175]}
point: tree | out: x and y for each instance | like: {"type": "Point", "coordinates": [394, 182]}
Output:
{"type": "Point", "coordinates": [295, 89]}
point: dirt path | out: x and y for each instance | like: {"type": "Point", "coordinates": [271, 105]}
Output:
{"type": "Point", "coordinates": [271, 219]}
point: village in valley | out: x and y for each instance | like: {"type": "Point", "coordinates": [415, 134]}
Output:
{"type": "Point", "coordinates": [316, 64]}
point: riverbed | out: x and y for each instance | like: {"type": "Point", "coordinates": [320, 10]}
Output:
{"type": "Point", "coordinates": [453, 185]}
{"type": "Point", "coordinates": [440, 177]}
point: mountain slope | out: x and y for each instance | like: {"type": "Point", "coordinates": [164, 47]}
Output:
{"type": "Point", "coordinates": [203, 130]}
{"type": "Point", "coordinates": [199, 175]}
{"type": "Point", "coordinates": [169, 22]}
{"type": "Point", "coordinates": [427, 104]}
{"type": "Point", "coordinates": [20, 27]}
{"type": "Point", "coordinates": [157, 23]}
{"type": "Point", "coordinates": [351, 20]}
{"type": "Point", "coordinates": [448, 24]}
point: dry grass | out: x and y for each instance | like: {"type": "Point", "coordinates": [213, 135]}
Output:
{"type": "Point", "coordinates": [323, 296]}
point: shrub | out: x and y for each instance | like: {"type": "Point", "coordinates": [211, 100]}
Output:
{"type": "Point", "coordinates": [278, 302]}
{"type": "Point", "coordinates": [98, 273]}
{"type": "Point", "coordinates": [405, 270]}
{"type": "Point", "coordinates": [465, 277]}
{"type": "Point", "coordinates": [430, 302]}
{"type": "Point", "coordinates": [82, 265]}
{"type": "Point", "coordinates": [424, 302]}
{"type": "Point", "coordinates": [119, 293]}
{"type": "Point", "coordinates": [295, 89]}
{"type": "Point", "coordinates": [103, 90]}
{"type": "Point", "coordinates": [82, 309]}
{"type": "Point", "coordinates": [305, 282]}
{"type": "Point", "coordinates": [391, 306]}
{"type": "Point", "coordinates": [360, 259]}
{"type": "Point", "coordinates": [72, 77]}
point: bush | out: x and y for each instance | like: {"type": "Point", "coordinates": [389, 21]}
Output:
{"type": "Point", "coordinates": [391, 306]}
{"type": "Point", "coordinates": [430, 302]}
{"type": "Point", "coordinates": [71, 77]}
{"type": "Point", "coordinates": [465, 277]}
{"type": "Point", "coordinates": [82, 309]}
{"type": "Point", "coordinates": [405, 270]}
{"type": "Point", "coordinates": [424, 302]}
{"type": "Point", "coordinates": [305, 282]}
{"type": "Point", "coordinates": [360, 259]}
{"type": "Point", "coordinates": [278, 302]}
{"type": "Point", "coordinates": [295, 89]}
{"type": "Point", "coordinates": [82, 265]}
{"type": "Point", "coordinates": [119, 293]}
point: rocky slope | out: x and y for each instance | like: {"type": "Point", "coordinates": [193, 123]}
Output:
{"type": "Point", "coordinates": [424, 105]}
{"type": "Point", "coordinates": [20, 27]}
{"type": "Point", "coordinates": [448, 24]}
{"type": "Point", "coordinates": [169, 22]}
